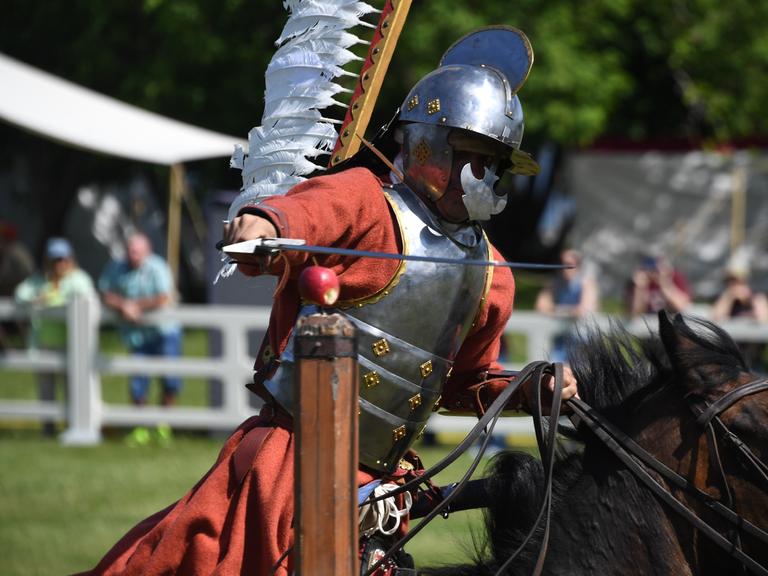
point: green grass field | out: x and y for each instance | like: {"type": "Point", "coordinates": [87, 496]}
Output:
{"type": "Point", "coordinates": [62, 508]}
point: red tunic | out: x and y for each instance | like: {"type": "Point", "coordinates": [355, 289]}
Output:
{"type": "Point", "coordinates": [236, 523]}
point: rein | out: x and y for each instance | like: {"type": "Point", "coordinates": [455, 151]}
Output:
{"type": "Point", "coordinates": [534, 371]}
{"type": "Point", "coordinates": [639, 461]}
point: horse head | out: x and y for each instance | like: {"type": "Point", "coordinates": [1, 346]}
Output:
{"type": "Point", "coordinates": [723, 440]}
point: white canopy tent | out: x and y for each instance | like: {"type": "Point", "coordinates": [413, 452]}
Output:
{"type": "Point", "coordinates": [60, 110]}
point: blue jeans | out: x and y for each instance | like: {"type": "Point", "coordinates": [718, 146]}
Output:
{"type": "Point", "coordinates": [165, 344]}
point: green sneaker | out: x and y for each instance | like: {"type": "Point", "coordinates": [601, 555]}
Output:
{"type": "Point", "coordinates": [139, 436]}
{"type": "Point", "coordinates": [163, 434]}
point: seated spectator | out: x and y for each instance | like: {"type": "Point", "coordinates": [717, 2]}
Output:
{"type": "Point", "coordinates": [572, 293]}
{"type": "Point", "coordinates": [143, 283]}
{"type": "Point", "coordinates": [739, 300]}
{"type": "Point", "coordinates": [657, 286]}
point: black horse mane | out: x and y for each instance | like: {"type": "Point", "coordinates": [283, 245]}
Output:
{"type": "Point", "coordinates": [615, 367]}
{"type": "Point", "coordinates": [616, 372]}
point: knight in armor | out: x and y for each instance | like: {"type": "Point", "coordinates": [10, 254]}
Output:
{"type": "Point", "coordinates": [428, 334]}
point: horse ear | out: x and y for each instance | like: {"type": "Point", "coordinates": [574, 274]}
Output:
{"type": "Point", "coordinates": [667, 332]}
{"type": "Point", "coordinates": [675, 341]}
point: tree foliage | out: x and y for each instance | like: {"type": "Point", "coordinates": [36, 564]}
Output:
{"type": "Point", "coordinates": [632, 68]}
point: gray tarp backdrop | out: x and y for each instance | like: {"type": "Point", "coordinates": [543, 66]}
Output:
{"type": "Point", "coordinates": [692, 206]}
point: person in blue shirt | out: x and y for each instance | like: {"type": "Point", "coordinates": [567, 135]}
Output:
{"type": "Point", "coordinates": [132, 287]}
{"type": "Point", "coordinates": [571, 294]}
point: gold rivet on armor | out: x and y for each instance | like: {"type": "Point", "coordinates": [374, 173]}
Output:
{"type": "Point", "coordinates": [433, 106]}
{"type": "Point", "coordinates": [380, 347]}
{"type": "Point", "coordinates": [426, 369]}
{"type": "Point", "coordinates": [422, 152]}
{"type": "Point", "coordinates": [415, 401]}
{"type": "Point", "coordinates": [413, 102]}
{"type": "Point", "coordinates": [398, 433]}
{"type": "Point", "coordinates": [444, 119]}
{"type": "Point", "coordinates": [371, 379]}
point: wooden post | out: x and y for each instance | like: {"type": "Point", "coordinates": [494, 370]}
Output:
{"type": "Point", "coordinates": [175, 195]}
{"type": "Point", "coordinates": [738, 208]}
{"type": "Point", "coordinates": [325, 395]}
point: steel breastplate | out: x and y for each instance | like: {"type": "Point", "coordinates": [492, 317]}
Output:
{"type": "Point", "coordinates": [408, 333]}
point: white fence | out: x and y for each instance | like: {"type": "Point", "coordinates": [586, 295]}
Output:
{"type": "Point", "coordinates": [83, 363]}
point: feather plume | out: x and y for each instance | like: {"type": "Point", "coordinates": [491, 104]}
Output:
{"type": "Point", "coordinates": [313, 49]}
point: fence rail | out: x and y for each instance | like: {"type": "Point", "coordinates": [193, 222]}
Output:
{"type": "Point", "coordinates": [84, 364]}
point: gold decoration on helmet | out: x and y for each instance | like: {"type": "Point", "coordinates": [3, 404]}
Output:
{"type": "Point", "coordinates": [523, 163]}
{"type": "Point", "coordinates": [413, 102]}
{"type": "Point", "coordinates": [422, 152]}
{"type": "Point", "coordinates": [398, 433]}
{"type": "Point", "coordinates": [426, 368]}
{"type": "Point", "coordinates": [414, 402]}
{"type": "Point", "coordinates": [433, 106]}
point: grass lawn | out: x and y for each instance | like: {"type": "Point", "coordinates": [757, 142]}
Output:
{"type": "Point", "coordinates": [62, 508]}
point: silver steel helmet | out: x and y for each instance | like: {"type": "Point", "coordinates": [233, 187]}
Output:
{"type": "Point", "coordinates": [473, 90]}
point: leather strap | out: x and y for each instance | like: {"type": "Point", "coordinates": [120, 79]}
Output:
{"type": "Point", "coordinates": [726, 400]}
{"type": "Point", "coordinates": [626, 450]}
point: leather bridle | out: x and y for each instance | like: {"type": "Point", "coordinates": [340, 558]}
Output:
{"type": "Point", "coordinates": [534, 371]}
{"type": "Point", "coordinates": [646, 467]}
{"type": "Point", "coordinates": [641, 464]}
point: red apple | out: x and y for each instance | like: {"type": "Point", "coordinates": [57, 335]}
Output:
{"type": "Point", "coordinates": [319, 285]}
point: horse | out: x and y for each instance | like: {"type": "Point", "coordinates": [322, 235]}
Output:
{"type": "Point", "coordinates": [604, 519]}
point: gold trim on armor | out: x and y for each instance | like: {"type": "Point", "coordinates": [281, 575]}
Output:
{"type": "Point", "coordinates": [371, 380]}
{"type": "Point", "coordinates": [433, 106]}
{"type": "Point", "coordinates": [486, 288]}
{"type": "Point", "coordinates": [380, 348]}
{"type": "Point", "coordinates": [426, 368]}
{"type": "Point", "coordinates": [376, 296]}
{"type": "Point", "coordinates": [414, 402]}
{"type": "Point", "coordinates": [398, 433]}
{"type": "Point", "coordinates": [413, 102]}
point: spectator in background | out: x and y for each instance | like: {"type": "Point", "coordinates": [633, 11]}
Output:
{"type": "Point", "coordinates": [739, 300]}
{"type": "Point", "coordinates": [657, 286]}
{"type": "Point", "coordinates": [571, 294]}
{"type": "Point", "coordinates": [143, 283]}
{"type": "Point", "coordinates": [16, 264]}
{"type": "Point", "coordinates": [59, 283]}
